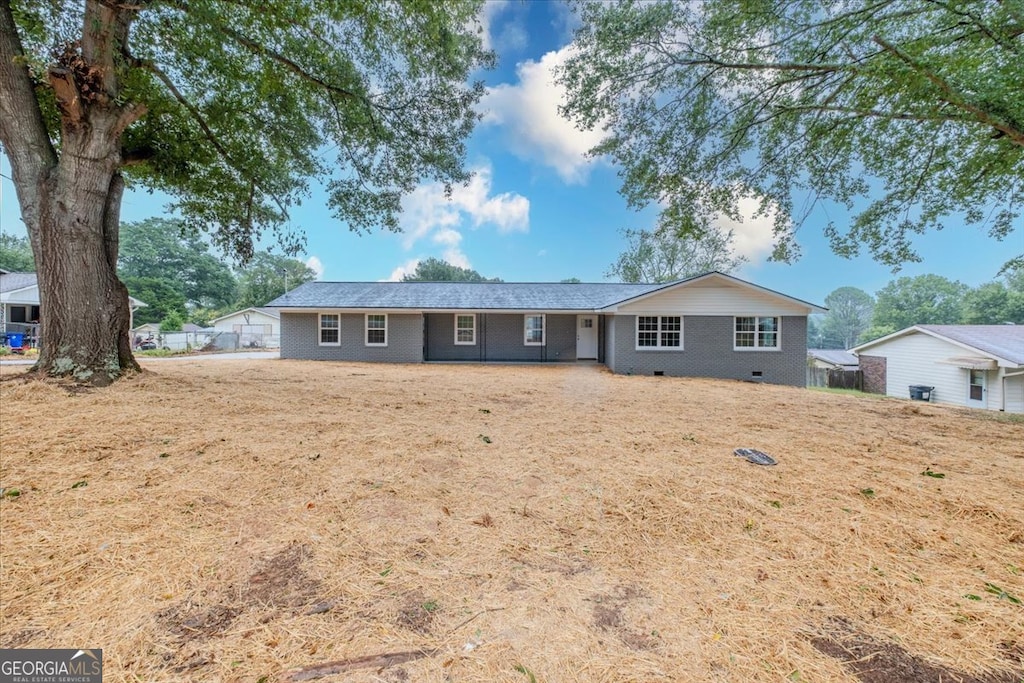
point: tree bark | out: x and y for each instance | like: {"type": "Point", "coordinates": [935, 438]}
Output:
{"type": "Point", "coordinates": [71, 200]}
{"type": "Point", "coordinates": [84, 309]}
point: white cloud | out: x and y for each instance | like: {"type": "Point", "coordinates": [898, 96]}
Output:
{"type": "Point", "coordinates": [427, 212]}
{"type": "Point", "coordinates": [447, 236]}
{"type": "Point", "coordinates": [428, 215]}
{"type": "Point", "coordinates": [407, 268]}
{"type": "Point", "coordinates": [752, 237]}
{"type": "Point", "coordinates": [512, 34]}
{"type": "Point", "coordinates": [529, 113]}
{"type": "Point", "coordinates": [316, 265]}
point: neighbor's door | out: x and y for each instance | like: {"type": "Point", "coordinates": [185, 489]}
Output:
{"type": "Point", "coordinates": [586, 337]}
{"type": "Point", "coordinates": [977, 388]}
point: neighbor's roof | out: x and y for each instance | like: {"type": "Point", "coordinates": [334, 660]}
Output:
{"type": "Point", "coordinates": [12, 281]}
{"type": "Point", "coordinates": [482, 296]}
{"type": "Point", "coordinates": [1001, 342]}
{"type": "Point", "coordinates": [266, 310]}
{"type": "Point", "coordinates": [834, 356]}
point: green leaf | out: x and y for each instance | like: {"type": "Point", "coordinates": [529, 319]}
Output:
{"type": "Point", "coordinates": [485, 439]}
{"type": "Point", "coordinates": [79, 484]}
{"type": "Point", "coordinates": [909, 116]}
{"type": "Point", "coordinates": [868, 493]}
{"type": "Point", "coordinates": [935, 475]}
{"type": "Point", "coordinates": [1000, 593]}
{"type": "Point", "coordinates": [972, 596]}
{"type": "Point", "coordinates": [523, 670]}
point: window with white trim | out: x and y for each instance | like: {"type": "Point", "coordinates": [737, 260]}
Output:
{"type": "Point", "coordinates": [753, 332]}
{"type": "Point", "coordinates": [465, 330]}
{"type": "Point", "coordinates": [330, 329]}
{"type": "Point", "coordinates": [659, 332]}
{"type": "Point", "coordinates": [376, 329]}
{"type": "Point", "coordinates": [533, 330]}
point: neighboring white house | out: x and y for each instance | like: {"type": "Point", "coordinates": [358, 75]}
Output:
{"type": "Point", "coordinates": [19, 305]}
{"type": "Point", "coordinates": [255, 327]}
{"type": "Point", "coordinates": [977, 366]}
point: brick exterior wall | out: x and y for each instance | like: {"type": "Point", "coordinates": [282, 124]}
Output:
{"type": "Point", "coordinates": [300, 336]}
{"type": "Point", "coordinates": [873, 368]}
{"type": "Point", "coordinates": [708, 352]}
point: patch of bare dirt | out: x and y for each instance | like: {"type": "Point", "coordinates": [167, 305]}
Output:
{"type": "Point", "coordinates": [876, 661]}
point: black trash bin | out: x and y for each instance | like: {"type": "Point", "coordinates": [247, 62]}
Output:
{"type": "Point", "coordinates": [919, 392]}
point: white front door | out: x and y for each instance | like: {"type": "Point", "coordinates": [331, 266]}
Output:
{"type": "Point", "coordinates": [977, 388]}
{"type": "Point", "coordinates": [586, 337]}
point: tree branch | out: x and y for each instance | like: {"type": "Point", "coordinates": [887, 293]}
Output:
{"type": "Point", "coordinates": [197, 116]}
{"type": "Point", "coordinates": [258, 49]}
{"type": "Point", "coordinates": [953, 97]}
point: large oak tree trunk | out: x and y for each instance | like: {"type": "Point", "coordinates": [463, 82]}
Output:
{"type": "Point", "coordinates": [71, 200]}
{"type": "Point", "coordinates": [85, 320]}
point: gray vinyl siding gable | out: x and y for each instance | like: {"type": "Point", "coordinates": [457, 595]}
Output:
{"type": "Point", "coordinates": [300, 338]}
{"type": "Point", "coordinates": [708, 351]}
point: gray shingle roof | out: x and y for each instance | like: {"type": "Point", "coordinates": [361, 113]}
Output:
{"type": "Point", "coordinates": [516, 296]}
{"type": "Point", "coordinates": [1004, 341]}
{"type": "Point", "coordinates": [12, 281]}
{"type": "Point", "coordinates": [835, 356]}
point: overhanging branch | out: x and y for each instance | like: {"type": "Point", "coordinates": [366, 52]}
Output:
{"type": "Point", "coordinates": [1015, 135]}
{"type": "Point", "coordinates": [200, 120]}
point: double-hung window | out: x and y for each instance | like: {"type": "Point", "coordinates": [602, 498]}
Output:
{"type": "Point", "coordinates": [330, 329]}
{"type": "Point", "coordinates": [376, 329]}
{"type": "Point", "coordinates": [659, 332]}
{"type": "Point", "coordinates": [533, 330]}
{"type": "Point", "coordinates": [756, 332]}
{"type": "Point", "coordinates": [465, 330]}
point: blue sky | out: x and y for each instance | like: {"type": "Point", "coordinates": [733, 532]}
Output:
{"type": "Point", "coordinates": [539, 210]}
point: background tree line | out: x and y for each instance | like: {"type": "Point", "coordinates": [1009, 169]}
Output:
{"type": "Point", "coordinates": [175, 273]}
{"type": "Point", "coordinates": [855, 316]}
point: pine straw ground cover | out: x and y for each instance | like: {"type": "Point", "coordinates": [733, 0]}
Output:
{"type": "Point", "coordinates": [238, 521]}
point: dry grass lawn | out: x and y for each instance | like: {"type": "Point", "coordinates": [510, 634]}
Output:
{"type": "Point", "coordinates": [238, 521]}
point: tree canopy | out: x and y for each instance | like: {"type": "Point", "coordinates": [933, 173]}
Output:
{"type": "Point", "coordinates": [16, 254]}
{"type": "Point", "coordinates": [268, 276]}
{"type": "Point", "coordinates": [437, 270]}
{"type": "Point", "coordinates": [922, 300]}
{"type": "Point", "coordinates": [850, 311]}
{"type": "Point", "coordinates": [906, 113]}
{"type": "Point", "coordinates": [161, 297]}
{"type": "Point", "coordinates": [229, 107]}
{"type": "Point", "coordinates": [664, 255]}
{"type": "Point", "coordinates": [165, 249]}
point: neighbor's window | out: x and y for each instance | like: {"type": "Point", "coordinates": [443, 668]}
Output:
{"type": "Point", "coordinates": [757, 333]}
{"type": "Point", "coordinates": [659, 332]}
{"type": "Point", "coordinates": [376, 329]}
{"type": "Point", "coordinates": [534, 330]}
{"type": "Point", "coordinates": [330, 329]}
{"type": "Point", "coordinates": [465, 329]}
